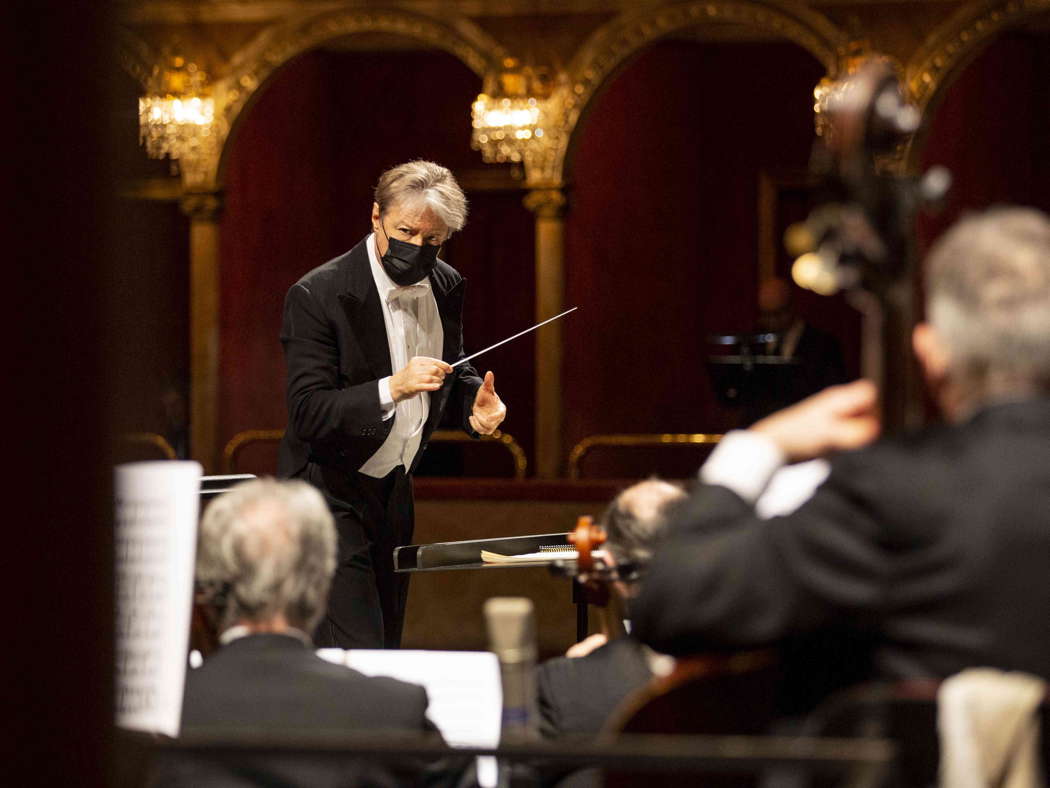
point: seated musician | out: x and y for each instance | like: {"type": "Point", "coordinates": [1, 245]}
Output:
{"type": "Point", "coordinates": [578, 692]}
{"type": "Point", "coordinates": [266, 554]}
{"type": "Point", "coordinates": [931, 548]}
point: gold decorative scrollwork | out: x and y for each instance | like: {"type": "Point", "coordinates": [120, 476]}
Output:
{"type": "Point", "coordinates": [951, 47]}
{"type": "Point", "coordinates": [201, 205]}
{"type": "Point", "coordinates": [256, 63]}
{"type": "Point", "coordinates": [545, 203]}
{"type": "Point", "coordinates": [612, 44]}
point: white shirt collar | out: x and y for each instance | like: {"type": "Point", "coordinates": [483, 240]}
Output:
{"type": "Point", "coordinates": [241, 631]}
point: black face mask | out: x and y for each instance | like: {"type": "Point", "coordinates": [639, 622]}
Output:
{"type": "Point", "coordinates": [407, 263]}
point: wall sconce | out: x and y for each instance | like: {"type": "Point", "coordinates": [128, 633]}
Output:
{"type": "Point", "coordinates": [176, 118]}
{"type": "Point", "coordinates": [508, 115]}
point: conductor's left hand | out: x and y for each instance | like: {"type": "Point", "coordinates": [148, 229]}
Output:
{"type": "Point", "coordinates": [489, 411]}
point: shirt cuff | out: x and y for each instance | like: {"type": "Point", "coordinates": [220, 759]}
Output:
{"type": "Point", "coordinates": [386, 399]}
{"type": "Point", "coordinates": [744, 462]}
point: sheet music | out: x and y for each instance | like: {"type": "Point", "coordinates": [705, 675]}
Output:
{"type": "Point", "coordinates": [156, 540]}
{"type": "Point", "coordinates": [543, 556]}
{"type": "Point", "coordinates": [466, 697]}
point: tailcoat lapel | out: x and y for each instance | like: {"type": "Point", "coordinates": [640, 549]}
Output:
{"type": "Point", "coordinates": [449, 300]}
{"type": "Point", "coordinates": [360, 302]}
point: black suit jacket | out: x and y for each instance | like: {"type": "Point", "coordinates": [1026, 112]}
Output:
{"type": "Point", "coordinates": [336, 351]}
{"type": "Point", "coordinates": [933, 548]}
{"type": "Point", "coordinates": [577, 695]}
{"type": "Point", "coordinates": [274, 683]}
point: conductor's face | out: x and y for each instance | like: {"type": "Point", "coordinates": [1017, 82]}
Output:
{"type": "Point", "coordinates": [413, 223]}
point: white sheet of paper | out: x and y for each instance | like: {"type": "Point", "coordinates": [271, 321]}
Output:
{"type": "Point", "coordinates": [156, 540]}
{"type": "Point", "coordinates": [466, 697]}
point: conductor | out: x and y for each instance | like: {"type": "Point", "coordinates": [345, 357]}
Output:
{"type": "Point", "coordinates": [369, 339]}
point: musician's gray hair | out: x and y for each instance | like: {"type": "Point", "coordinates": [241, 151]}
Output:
{"type": "Point", "coordinates": [988, 297]}
{"type": "Point", "coordinates": [426, 181]}
{"type": "Point", "coordinates": [268, 547]}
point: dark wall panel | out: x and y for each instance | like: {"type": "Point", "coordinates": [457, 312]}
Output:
{"type": "Point", "coordinates": [661, 236]}
{"type": "Point", "coordinates": [992, 131]}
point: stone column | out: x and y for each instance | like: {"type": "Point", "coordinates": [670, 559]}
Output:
{"type": "Point", "coordinates": [549, 207]}
{"type": "Point", "coordinates": [203, 209]}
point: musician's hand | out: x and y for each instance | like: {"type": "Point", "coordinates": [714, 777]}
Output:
{"type": "Point", "coordinates": [839, 417]}
{"type": "Point", "coordinates": [419, 374]}
{"type": "Point", "coordinates": [587, 645]}
{"type": "Point", "coordinates": [488, 411]}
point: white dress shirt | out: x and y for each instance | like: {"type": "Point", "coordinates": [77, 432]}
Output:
{"type": "Point", "coordinates": [753, 467]}
{"type": "Point", "coordinates": [413, 328]}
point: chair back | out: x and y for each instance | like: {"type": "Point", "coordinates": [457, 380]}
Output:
{"type": "Point", "coordinates": [710, 694]}
{"type": "Point", "coordinates": [904, 712]}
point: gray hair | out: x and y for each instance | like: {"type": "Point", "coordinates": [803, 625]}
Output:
{"type": "Point", "coordinates": [988, 298]}
{"type": "Point", "coordinates": [268, 547]}
{"type": "Point", "coordinates": [636, 519]}
{"type": "Point", "coordinates": [426, 181]}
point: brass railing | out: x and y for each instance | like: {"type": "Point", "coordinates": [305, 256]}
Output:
{"type": "Point", "coordinates": [636, 439]}
{"type": "Point", "coordinates": [242, 439]}
{"type": "Point", "coordinates": [152, 439]}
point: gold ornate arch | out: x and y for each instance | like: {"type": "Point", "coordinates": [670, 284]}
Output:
{"type": "Point", "coordinates": [251, 67]}
{"type": "Point", "coordinates": [952, 47]}
{"type": "Point", "coordinates": [611, 45]}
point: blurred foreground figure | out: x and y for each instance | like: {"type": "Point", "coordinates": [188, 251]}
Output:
{"type": "Point", "coordinates": [579, 692]}
{"type": "Point", "coordinates": [930, 550]}
{"type": "Point", "coordinates": [266, 555]}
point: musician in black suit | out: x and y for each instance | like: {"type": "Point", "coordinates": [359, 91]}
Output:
{"type": "Point", "coordinates": [579, 692]}
{"type": "Point", "coordinates": [266, 554]}
{"type": "Point", "coordinates": [931, 547]}
{"type": "Point", "coordinates": [812, 357]}
{"type": "Point", "coordinates": [370, 338]}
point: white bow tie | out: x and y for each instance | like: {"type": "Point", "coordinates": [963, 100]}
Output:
{"type": "Point", "coordinates": [406, 295]}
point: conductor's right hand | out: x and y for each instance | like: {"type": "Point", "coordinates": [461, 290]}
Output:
{"type": "Point", "coordinates": [419, 374]}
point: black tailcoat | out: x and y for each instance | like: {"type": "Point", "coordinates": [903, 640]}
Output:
{"type": "Point", "coordinates": [336, 349]}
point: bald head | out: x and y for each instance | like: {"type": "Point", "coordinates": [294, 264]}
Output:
{"type": "Point", "coordinates": [635, 520]}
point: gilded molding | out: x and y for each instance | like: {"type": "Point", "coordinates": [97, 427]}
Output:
{"type": "Point", "coordinates": [959, 39]}
{"type": "Point", "coordinates": [611, 45]}
{"type": "Point", "coordinates": [950, 48]}
{"type": "Point", "coordinates": [545, 203]}
{"type": "Point", "coordinates": [202, 205]}
{"type": "Point", "coordinates": [253, 65]}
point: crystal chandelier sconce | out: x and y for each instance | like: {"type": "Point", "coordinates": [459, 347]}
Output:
{"type": "Point", "coordinates": [507, 117]}
{"type": "Point", "coordinates": [176, 119]}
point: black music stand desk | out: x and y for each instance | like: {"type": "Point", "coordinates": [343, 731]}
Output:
{"type": "Point", "coordinates": [444, 556]}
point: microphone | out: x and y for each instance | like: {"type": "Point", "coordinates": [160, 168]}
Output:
{"type": "Point", "coordinates": [512, 637]}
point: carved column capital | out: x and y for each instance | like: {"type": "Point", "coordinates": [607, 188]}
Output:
{"type": "Point", "coordinates": [546, 203]}
{"type": "Point", "coordinates": [201, 206]}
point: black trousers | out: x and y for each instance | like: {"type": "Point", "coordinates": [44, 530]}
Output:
{"type": "Point", "coordinates": [366, 604]}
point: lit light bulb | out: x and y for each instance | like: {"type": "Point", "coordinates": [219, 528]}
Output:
{"type": "Point", "coordinates": [813, 272]}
